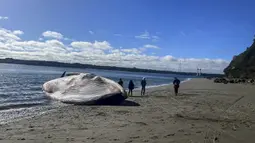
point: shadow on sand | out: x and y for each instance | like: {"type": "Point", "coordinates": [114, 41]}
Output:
{"type": "Point", "coordinates": [113, 100]}
{"type": "Point", "coordinates": [139, 96]}
{"type": "Point", "coordinates": [187, 94]}
{"type": "Point", "coordinates": [123, 103]}
{"type": "Point", "coordinates": [128, 103]}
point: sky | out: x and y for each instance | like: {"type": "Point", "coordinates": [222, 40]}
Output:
{"type": "Point", "coordinates": [178, 35]}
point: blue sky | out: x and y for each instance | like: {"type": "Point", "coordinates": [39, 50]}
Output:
{"type": "Point", "coordinates": [197, 29]}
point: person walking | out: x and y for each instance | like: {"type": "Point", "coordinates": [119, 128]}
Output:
{"type": "Point", "coordinates": [131, 86]}
{"type": "Point", "coordinates": [143, 84]}
{"type": "Point", "coordinates": [176, 84]}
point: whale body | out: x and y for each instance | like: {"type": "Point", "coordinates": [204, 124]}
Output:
{"type": "Point", "coordinates": [85, 88]}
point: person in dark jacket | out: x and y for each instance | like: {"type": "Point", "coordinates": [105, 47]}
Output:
{"type": "Point", "coordinates": [176, 84]}
{"type": "Point", "coordinates": [131, 86]}
{"type": "Point", "coordinates": [120, 82]}
{"type": "Point", "coordinates": [143, 84]}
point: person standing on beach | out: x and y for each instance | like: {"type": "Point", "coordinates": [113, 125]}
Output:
{"type": "Point", "coordinates": [131, 86]}
{"type": "Point", "coordinates": [176, 84]}
{"type": "Point", "coordinates": [143, 84]}
{"type": "Point", "coordinates": [120, 82]}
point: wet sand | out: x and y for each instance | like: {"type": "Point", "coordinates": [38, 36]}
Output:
{"type": "Point", "coordinates": [204, 112]}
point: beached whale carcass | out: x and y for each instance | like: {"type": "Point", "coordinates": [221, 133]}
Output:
{"type": "Point", "coordinates": [85, 88]}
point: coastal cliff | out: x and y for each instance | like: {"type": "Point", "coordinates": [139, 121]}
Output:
{"type": "Point", "coordinates": [242, 65]}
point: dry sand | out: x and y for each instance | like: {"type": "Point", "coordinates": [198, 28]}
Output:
{"type": "Point", "coordinates": [204, 112]}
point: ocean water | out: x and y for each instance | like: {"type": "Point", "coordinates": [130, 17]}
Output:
{"type": "Point", "coordinates": [21, 87]}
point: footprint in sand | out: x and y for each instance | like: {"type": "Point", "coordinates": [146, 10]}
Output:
{"type": "Point", "coordinates": [187, 134]}
{"type": "Point", "coordinates": [116, 139]}
{"type": "Point", "coordinates": [21, 139]}
{"type": "Point", "coordinates": [134, 137]}
{"type": "Point", "coordinates": [169, 135]}
{"type": "Point", "coordinates": [141, 123]}
{"type": "Point", "coordinates": [101, 114]}
{"type": "Point", "coordinates": [122, 112]}
{"type": "Point", "coordinates": [154, 137]}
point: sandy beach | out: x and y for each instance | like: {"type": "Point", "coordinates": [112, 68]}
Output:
{"type": "Point", "coordinates": [204, 112]}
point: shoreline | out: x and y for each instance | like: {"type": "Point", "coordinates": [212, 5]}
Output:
{"type": "Point", "coordinates": [161, 85]}
{"type": "Point", "coordinates": [202, 112]}
{"type": "Point", "coordinates": [26, 111]}
{"type": "Point", "coordinates": [42, 109]}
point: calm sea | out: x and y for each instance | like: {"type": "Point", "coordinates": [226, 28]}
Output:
{"type": "Point", "coordinates": [21, 93]}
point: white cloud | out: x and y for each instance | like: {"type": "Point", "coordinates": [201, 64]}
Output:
{"type": "Point", "coordinates": [154, 38]}
{"type": "Point", "coordinates": [4, 18]}
{"type": "Point", "coordinates": [88, 45]}
{"type": "Point", "coordinates": [54, 46]}
{"type": "Point", "coordinates": [99, 53]}
{"type": "Point", "coordinates": [91, 32]}
{"type": "Point", "coordinates": [52, 34]}
{"type": "Point", "coordinates": [132, 51]}
{"type": "Point", "coordinates": [18, 32]}
{"type": "Point", "coordinates": [7, 35]}
{"type": "Point", "coordinates": [125, 51]}
{"type": "Point", "coordinates": [148, 46]}
{"type": "Point", "coordinates": [168, 58]}
{"type": "Point", "coordinates": [115, 51]}
{"type": "Point", "coordinates": [147, 35]}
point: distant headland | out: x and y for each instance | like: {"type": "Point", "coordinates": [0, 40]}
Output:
{"type": "Point", "coordinates": [78, 65]}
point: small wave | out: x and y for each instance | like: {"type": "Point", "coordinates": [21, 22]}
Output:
{"type": "Point", "coordinates": [152, 86]}
{"type": "Point", "coordinates": [25, 99]}
{"type": "Point", "coordinates": [160, 85]}
{"type": "Point", "coordinates": [16, 114]}
{"type": "Point", "coordinates": [188, 79]}
{"type": "Point", "coordinates": [21, 105]}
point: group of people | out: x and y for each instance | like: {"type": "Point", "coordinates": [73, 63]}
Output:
{"type": "Point", "coordinates": [131, 86]}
